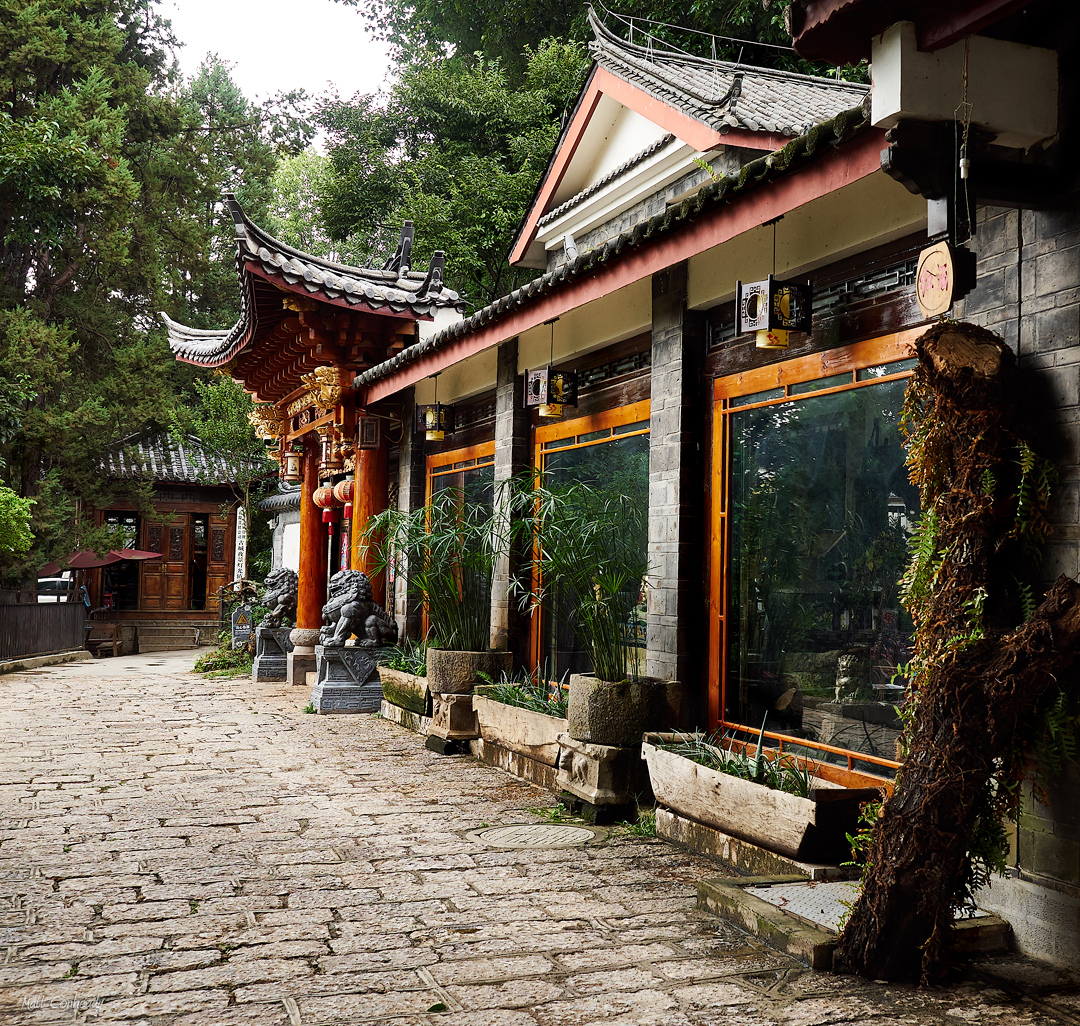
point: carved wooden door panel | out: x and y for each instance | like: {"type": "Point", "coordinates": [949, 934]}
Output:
{"type": "Point", "coordinates": [177, 549]}
{"type": "Point", "coordinates": [219, 559]}
{"type": "Point", "coordinates": [152, 583]}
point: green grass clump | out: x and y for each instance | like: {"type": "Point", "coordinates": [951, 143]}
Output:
{"type": "Point", "coordinates": [782, 773]}
{"type": "Point", "coordinates": [408, 656]}
{"type": "Point", "coordinates": [523, 691]}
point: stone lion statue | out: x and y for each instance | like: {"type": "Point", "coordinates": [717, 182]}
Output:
{"type": "Point", "coordinates": [280, 597]}
{"type": "Point", "coordinates": [350, 610]}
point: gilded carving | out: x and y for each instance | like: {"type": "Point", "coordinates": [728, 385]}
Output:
{"type": "Point", "coordinates": [299, 304]}
{"type": "Point", "coordinates": [268, 421]}
{"type": "Point", "coordinates": [326, 386]}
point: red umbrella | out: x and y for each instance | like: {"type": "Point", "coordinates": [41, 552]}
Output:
{"type": "Point", "coordinates": [86, 559]}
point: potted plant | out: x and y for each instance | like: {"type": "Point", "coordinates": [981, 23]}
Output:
{"type": "Point", "coordinates": [769, 798]}
{"type": "Point", "coordinates": [450, 548]}
{"type": "Point", "coordinates": [587, 561]}
{"type": "Point", "coordinates": [525, 716]}
{"type": "Point", "coordinates": [404, 677]}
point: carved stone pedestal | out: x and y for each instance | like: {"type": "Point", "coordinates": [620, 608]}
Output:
{"type": "Point", "coordinates": [347, 680]}
{"type": "Point", "coordinates": [453, 724]}
{"type": "Point", "coordinates": [607, 780]}
{"type": "Point", "coordinates": [301, 660]}
{"type": "Point", "coordinates": [272, 648]}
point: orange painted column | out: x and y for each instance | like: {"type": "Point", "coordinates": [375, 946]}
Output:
{"type": "Point", "coordinates": [370, 496]}
{"type": "Point", "coordinates": [311, 592]}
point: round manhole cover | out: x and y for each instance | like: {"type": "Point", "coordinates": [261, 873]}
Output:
{"type": "Point", "coordinates": [534, 835]}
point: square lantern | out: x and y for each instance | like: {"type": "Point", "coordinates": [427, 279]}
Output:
{"type": "Point", "coordinates": [291, 469]}
{"type": "Point", "coordinates": [368, 433]}
{"type": "Point", "coordinates": [435, 420]}
{"type": "Point", "coordinates": [773, 309]}
{"type": "Point", "coordinates": [549, 390]}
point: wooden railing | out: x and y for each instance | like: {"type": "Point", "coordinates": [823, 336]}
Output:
{"type": "Point", "coordinates": [31, 630]}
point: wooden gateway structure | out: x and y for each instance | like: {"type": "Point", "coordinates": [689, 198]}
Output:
{"type": "Point", "coordinates": [307, 327]}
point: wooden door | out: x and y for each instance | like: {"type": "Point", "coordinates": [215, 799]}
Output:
{"type": "Point", "coordinates": [165, 580]}
{"type": "Point", "coordinates": [219, 559]}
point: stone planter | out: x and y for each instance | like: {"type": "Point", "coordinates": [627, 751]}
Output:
{"type": "Point", "coordinates": [602, 774]}
{"type": "Point", "coordinates": [529, 733]}
{"type": "Point", "coordinates": [602, 712]}
{"type": "Point", "coordinates": [812, 829]}
{"type": "Point", "coordinates": [456, 673]}
{"type": "Point", "coordinates": [406, 690]}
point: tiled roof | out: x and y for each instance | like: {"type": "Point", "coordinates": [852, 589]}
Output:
{"type": "Point", "coordinates": [286, 499]}
{"type": "Point", "coordinates": [712, 194]}
{"type": "Point", "coordinates": [416, 292]}
{"type": "Point", "coordinates": [166, 457]}
{"type": "Point", "coordinates": [654, 147]}
{"type": "Point", "coordinates": [723, 95]}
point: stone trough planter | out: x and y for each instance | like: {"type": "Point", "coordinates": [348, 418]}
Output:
{"type": "Point", "coordinates": [812, 829]}
{"type": "Point", "coordinates": [531, 734]}
{"type": "Point", "coordinates": [406, 690]}
{"type": "Point", "coordinates": [450, 672]}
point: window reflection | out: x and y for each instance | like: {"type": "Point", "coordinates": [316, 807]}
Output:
{"type": "Point", "coordinates": [820, 513]}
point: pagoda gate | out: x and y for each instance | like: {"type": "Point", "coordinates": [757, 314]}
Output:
{"type": "Point", "coordinates": [307, 327]}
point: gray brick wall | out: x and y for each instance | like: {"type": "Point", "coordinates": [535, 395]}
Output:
{"type": "Point", "coordinates": [412, 486]}
{"type": "Point", "coordinates": [508, 627]}
{"type": "Point", "coordinates": [1029, 293]}
{"type": "Point", "coordinates": [676, 608]}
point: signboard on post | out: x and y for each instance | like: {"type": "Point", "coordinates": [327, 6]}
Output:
{"type": "Point", "coordinates": [240, 560]}
{"type": "Point", "coordinates": [241, 625]}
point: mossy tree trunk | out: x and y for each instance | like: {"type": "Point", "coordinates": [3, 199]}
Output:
{"type": "Point", "coordinates": [976, 676]}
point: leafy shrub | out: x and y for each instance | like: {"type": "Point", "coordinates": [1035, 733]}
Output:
{"type": "Point", "coordinates": [523, 691]}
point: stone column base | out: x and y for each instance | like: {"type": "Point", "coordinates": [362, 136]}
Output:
{"type": "Point", "coordinates": [452, 718]}
{"type": "Point", "coordinates": [602, 774]}
{"type": "Point", "coordinates": [301, 660]}
{"type": "Point", "coordinates": [272, 648]}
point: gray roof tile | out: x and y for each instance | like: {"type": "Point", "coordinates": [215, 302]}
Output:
{"type": "Point", "coordinates": [166, 457]}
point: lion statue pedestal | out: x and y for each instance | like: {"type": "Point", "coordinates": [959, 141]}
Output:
{"type": "Point", "coordinates": [347, 676]}
{"type": "Point", "coordinates": [272, 648]}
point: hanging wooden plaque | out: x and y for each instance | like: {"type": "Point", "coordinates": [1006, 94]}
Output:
{"type": "Point", "coordinates": [935, 280]}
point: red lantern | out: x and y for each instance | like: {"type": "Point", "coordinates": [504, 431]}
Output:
{"type": "Point", "coordinates": [324, 498]}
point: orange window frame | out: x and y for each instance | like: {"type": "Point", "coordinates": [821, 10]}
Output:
{"type": "Point", "coordinates": [585, 432]}
{"type": "Point", "coordinates": [454, 461]}
{"type": "Point", "coordinates": [772, 385]}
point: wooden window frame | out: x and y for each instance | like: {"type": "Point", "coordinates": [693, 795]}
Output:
{"type": "Point", "coordinates": [618, 416]}
{"type": "Point", "coordinates": [441, 463]}
{"type": "Point", "coordinates": [780, 377]}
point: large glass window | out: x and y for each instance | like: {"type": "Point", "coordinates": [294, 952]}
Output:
{"type": "Point", "coordinates": [120, 581]}
{"type": "Point", "coordinates": [610, 452]}
{"type": "Point", "coordinates": [815, 521]}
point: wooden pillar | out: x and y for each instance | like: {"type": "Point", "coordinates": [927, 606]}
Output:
{"type": "Point", "coordinates": [311, 593]}
{"type": "Point", "coordinates": [370, 496]}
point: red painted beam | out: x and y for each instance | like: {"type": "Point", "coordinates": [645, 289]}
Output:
{"type": "Point", "coordinates": [951, 25]}
{"type": "Point", "coordinates": [829, 173]}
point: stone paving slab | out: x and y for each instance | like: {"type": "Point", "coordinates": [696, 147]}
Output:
{"type": "Point", "coordinates": [202, 853]}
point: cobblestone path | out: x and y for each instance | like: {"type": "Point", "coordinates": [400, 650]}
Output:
{"type": "Point", "coordinates": [176, 850]}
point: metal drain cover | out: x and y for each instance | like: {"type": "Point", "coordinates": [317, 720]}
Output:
{"type": "Point", "coordinates": [535, 835]}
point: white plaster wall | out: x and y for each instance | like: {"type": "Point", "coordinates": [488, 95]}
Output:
{"type": "Point", "coordinates": [290, 545]}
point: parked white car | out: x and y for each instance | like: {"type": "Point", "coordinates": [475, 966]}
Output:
{"type": "Point", "coordinates": [57, 589]}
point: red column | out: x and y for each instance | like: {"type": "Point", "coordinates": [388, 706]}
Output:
{"type": "Point", "coordinates": [311, 595]}
{"type": "Point", "coordinates": [370, 496]}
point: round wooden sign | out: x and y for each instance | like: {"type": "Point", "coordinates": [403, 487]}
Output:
{"type": "Point", "coordinates": [935, 280]}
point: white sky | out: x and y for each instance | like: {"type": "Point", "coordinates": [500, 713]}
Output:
{"type": "Point", "coordinates": [277, 45]}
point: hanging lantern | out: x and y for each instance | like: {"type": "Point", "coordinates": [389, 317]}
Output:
{"type": "Point", "coordinates": [436, 419]}
{"type": "Point", "coordinates": [343, 495]}
{"type": "Point", "coordinates": [326, 500]}
{"type": "Point", "coordinates": [773, 309]}
{"type": "Point", "coordinates": [292, 474]}
{"type": "Point", "coordinates": [548, 390]}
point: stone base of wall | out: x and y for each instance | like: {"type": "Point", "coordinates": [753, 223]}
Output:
{"type": "Point", "coordinates": [1045, 922]}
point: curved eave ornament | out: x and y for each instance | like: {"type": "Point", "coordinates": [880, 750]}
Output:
{"type": "Point", "coordinates": [393, 291]}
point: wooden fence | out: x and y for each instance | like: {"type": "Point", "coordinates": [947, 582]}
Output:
{"type": "Point", "coordinates": [31, 630]}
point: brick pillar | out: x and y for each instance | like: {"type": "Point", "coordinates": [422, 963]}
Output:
{"type": "Point", "coordinates": [508, 628]}
{"type": "Point", "coordinates": [677, 620]}
{"type": "Point", "coordinates": [412, 488]}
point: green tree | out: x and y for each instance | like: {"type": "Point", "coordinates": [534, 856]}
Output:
{"type": "Point", "coordinates": [109, 169]}
{"type": "Point", "coordinates": [457, 147]}
{"type": "Point", "coordinates": [488, 28]}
